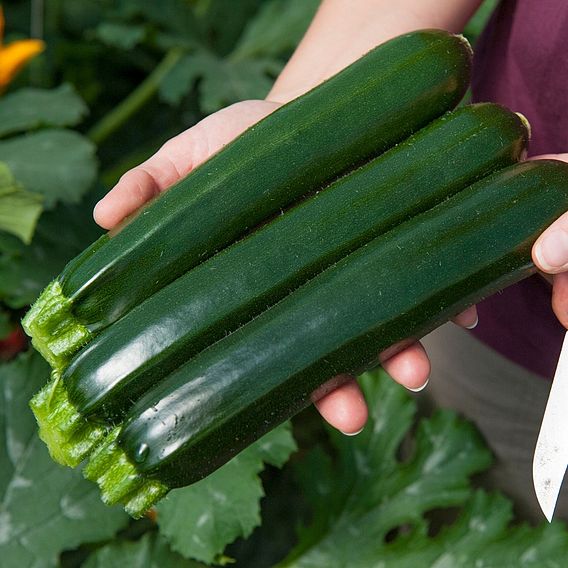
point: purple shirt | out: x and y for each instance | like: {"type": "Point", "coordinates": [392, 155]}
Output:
{"type": "Point", "coordinates": [522, 62]}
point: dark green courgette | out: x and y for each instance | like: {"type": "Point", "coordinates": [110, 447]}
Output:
{"type": "Point", "coordinates": [236, 285]}
{"type": "Point", "coordinates": [365, 109]}
{"type": "Point", "coordinates": [400, 285]}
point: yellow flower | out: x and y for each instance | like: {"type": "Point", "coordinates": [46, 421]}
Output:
{"type": "Point", "coordinates": [15, 55]}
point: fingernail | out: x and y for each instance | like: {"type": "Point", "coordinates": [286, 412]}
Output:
{"type": "Point", "coordinates": [473, 325]}
{"type": "Point", "coordinates": [352, 433]}
{"type": "Point", "coordinates": [421, 388]}
{"type": "Point", "coordinates": [95, 208]}
{"type": "Point", "coordinates": [552, 251]}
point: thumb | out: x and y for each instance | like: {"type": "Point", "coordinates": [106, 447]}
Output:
{"type": "Point", "coordinates": [550, 252]}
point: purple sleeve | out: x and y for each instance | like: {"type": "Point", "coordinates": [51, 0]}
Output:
{"type": "Point", "coordinates": [521, 61]}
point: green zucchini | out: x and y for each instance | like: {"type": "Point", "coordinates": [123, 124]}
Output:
{"type": "Point", "coordinates": [365, 109]}
{"type": "Point", "coordinates": [231, 288]}
{"type": "Point", "coordinates": [400, 285]}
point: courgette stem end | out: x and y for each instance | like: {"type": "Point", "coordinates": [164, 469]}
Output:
{"type": "Point", "coordinates": [526, 124]}
{"type": "Point", "coordinates": [466, 43]}
{"type": "Point", "coordinates": [69, 437]}
{"type": "Point", "coordinates": [119, 481]}
{"type": "Point", "coordinates": [55, 331]}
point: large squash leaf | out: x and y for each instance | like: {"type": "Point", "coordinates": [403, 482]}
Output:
{"type": "Point", "coordinates": [19, 209]}
{"type": "Point", "coordinates": [44, 507]}
{"type": "Point", "coordinates": [249, 70]}
{"type": "Point", "coordinates": [151, 551]}
{"type": "Point", "coordinates": [59, 164]}
{"type": "Point", "coordinates": [276, 29]}
{"type": "Point", "coordinates": [28, 109]}
{"type": "Point", "coordinates": [200, 520]}
{"type": "Point", "coordinates": [370, 506]}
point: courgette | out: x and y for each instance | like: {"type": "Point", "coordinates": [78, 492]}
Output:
{"type": "Point", "coordinates": [399, 285]}
{"type": "Point", "coordinates": [231, 288]}
{"type": "Point", "coordinates": [365, 109]}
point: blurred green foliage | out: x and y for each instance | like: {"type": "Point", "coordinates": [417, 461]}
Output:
{"type": "Point", "coordinates": [118, 78]}
{"type": "Point", "coordinates": [107, 48]}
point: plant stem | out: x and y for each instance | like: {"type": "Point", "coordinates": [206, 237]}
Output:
{"type": "Point", "coordinates": [111, 122]}
{"type": "Point", "coordinates": [37, 19]}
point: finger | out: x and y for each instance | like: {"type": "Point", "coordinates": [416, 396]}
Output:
{"type": "Point", "coordinates": [176, 158]}
{"type": "Point", "coordinates": [409, 367]}
{"type": "Point", "coordinates": [550, 252]}
{"type": "Point", "coordinates": [340, 401]}
{"type": "Point", "coordinates": [134, 188]}
{"type": "Point", "coordinates": [468, 318]}
{"type": "Point", "coordinates": [561, 157]}
{"type": "Point", "coordinates": [560, 298]}
{"type": "Point", "coordinates": [344, 407]}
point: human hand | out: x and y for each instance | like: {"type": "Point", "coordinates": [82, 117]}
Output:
{"type": "Point", "coordinates": [550, 254]}
{"type": "Point", "coordinates": [340, 401]}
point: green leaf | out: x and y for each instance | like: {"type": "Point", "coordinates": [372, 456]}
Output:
{"type": "Point", "coordinates": [44, 508]}
{"type": "Point", "coordinates": [59, 164]}
{"type": "Point", "coordinates": [179, 80]}
{"type": "Point", "coordinates": [60, 235]}
{"type": "Point", "coordinates": [122, 36]}
{"type": "Point", "coordinates": [150, 551]}
{"type": "Point", "coordinates": [228, 82]}
{"type": "Point", "coordinates": [19, 209]}
{"type": "Point", "coordinates": [369, 505]}
{"type": "Point", "coordinates": [173, 16]}
{"type": "Point", "coordinates": [223, 25]}
{"type": "Point", "coordinates": [276, 29]}
{"type": "Point", "coordinates": [200, 520]}
{"type": "Point", "coordinates": [481, 537]}
{"type": "Point", "coordinates": [222, 81]}
{"type": "Point", "coordinates": [370, 487]}
{"type": "Point", "coordinates": [29, 109]}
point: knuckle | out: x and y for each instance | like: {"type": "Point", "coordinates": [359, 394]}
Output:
{"type": "Point", "coordinates": [140, 184]}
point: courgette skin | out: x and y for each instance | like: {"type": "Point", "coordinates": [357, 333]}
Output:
{"type": "Point", "coordinates": [400, 285]}
{"type": "Point", "coordinates": [236, 285]}
{"type": "Point", "coordinates": [368, 107]}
